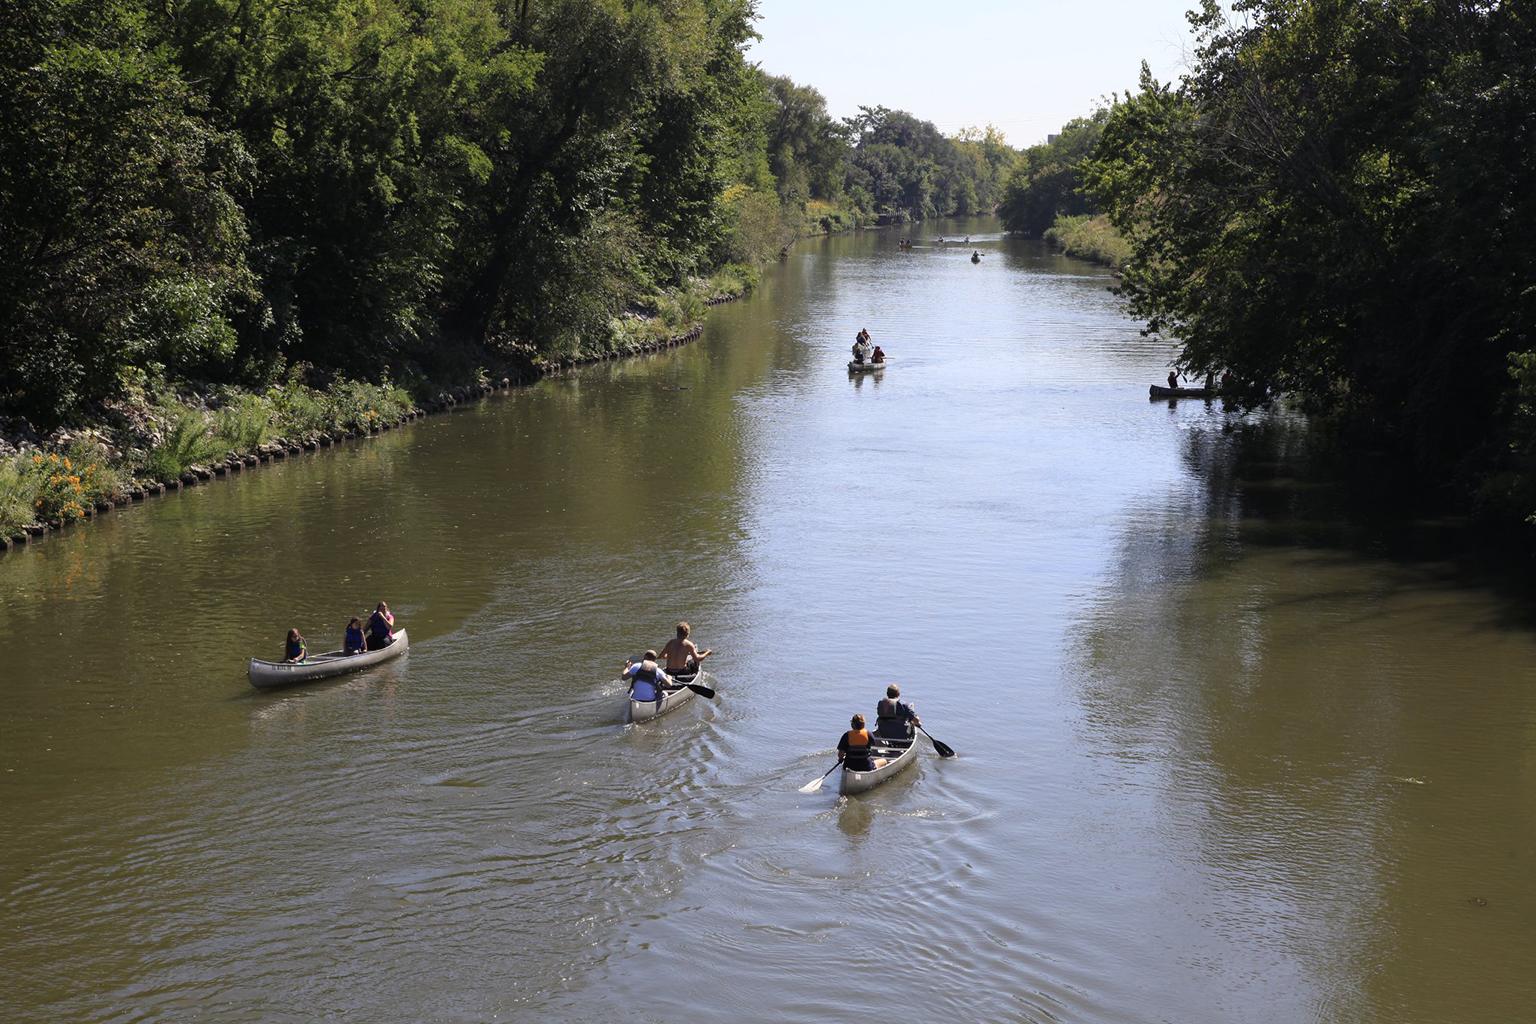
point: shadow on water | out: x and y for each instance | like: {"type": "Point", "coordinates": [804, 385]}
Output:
{"type": "Point", "coordinates": [1278, 481]}
{"type": "Point", "coordinates": [1326, 694]}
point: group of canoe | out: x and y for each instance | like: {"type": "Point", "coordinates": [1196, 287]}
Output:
{"type": "Point", "coordinates": [655, 684]}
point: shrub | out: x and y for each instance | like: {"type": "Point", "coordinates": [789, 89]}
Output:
{"type": "Point", "coordinates": [16, 496]}
{"type": "Point", "coordinates": [299, 411]}
{"type": "Point", "coordinates": [188, 442]}
{"type": "Point", "coordinates": [246, 424]}
{"type": "Point", "coordinates": [1090, 238]}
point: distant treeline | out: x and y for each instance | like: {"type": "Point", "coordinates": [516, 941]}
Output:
{"type": "Point", "coordinates": [219, 190]}
{"type": "Point", "coordinates": [1337, 202]}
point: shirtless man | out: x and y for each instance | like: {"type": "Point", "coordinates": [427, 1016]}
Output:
{"type": "Point", "coordinates": [681, 653]}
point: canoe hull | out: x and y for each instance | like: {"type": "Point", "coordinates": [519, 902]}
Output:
{"type": "Point", "coordinates": [865, 367]}
{"type": "Point", "coordinates": [645, 710]}
{"type": "Point", "coordinates": [1157, 391]}
{"type": "Point", "coordinates": [860, 782]}
{"type": "Point", "coordinates": [275, 675]}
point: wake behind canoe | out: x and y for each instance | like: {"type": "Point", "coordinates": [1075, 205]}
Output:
{"type": "Point", "coordinates": [274, 675]}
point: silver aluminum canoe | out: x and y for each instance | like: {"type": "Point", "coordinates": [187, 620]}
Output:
{"type": "Point", "coordinates": [274, 675]}
{"type": "Point", "coordinates": [645, 710]}
{"type": "Point", "coordinates": [858, 782]}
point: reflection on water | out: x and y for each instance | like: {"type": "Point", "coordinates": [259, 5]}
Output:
{"type": "Point", "coordinates": [1231, 746]}
{"type": "Point", "coordinates": [1317, 704]}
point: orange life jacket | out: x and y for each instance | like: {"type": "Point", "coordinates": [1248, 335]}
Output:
{"type": "Point", "coordinates": [857, 738]}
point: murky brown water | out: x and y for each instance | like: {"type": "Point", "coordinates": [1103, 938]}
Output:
{"type": "Point", "coordinates": [1224, 756]}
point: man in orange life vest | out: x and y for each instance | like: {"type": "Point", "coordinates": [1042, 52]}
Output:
{"type": "Point", "coordinates": [853, 749]}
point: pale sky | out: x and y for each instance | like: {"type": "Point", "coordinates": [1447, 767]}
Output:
{"type": "Point", "coordinates": [1024, 65]}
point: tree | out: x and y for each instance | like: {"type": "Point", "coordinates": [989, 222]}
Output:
{"type": "Point", "coordinates": [1337, 202]}
{"type": "Point", "coordinates": [121, 242]}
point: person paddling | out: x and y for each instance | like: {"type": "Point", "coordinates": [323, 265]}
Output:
{"type": "Point", "coordinates": [1173, 379]}
{"type": "Point", "coordinates": [855, 747]}
{"type": "Point", "coordinates": [682, 654]}
{"type": "Point", "coordinates": [296, 649]}
{"type": "Point", "coordinates": [894, 718]}
{"type": "Point", "coordinates": [381, 628]}
{"type": "Point", "coordinates": [647, 681]}
{"type": "Point", "coordinates": [879, 356]}
{"type": "Point", "coordinates": [861, 346]}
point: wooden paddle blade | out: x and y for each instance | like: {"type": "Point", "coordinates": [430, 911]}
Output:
{"type": "Point", "coordinates": [702, 691]}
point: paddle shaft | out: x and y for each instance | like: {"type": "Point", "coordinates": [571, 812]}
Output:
{"type": "Point", "coordinates": [813, 786]}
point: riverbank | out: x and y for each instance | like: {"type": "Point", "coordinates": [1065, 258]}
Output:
{"type": "Point", "coordinates": [149, 444]}
{"type": "Point", "coordinates": [1089, 237]}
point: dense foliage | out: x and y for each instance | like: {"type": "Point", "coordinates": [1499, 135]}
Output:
{"type": "Point", "coordinates": [1047, 181]}
{"type": "Point", "coordinates": [1339, 202]}
{"type": "Point", "coordinates": [217, 190]}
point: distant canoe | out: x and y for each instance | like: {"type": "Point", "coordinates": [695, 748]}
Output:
{"type": "Point", "coordinates": [865, 367]}
{"type": "Point", "coordinates": [1157, 391]}
{"type": "Point", "coordinates": [274, 675]}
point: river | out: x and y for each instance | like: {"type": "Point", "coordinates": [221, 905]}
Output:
{"type": "Point", "coordinates": [1226, 753]}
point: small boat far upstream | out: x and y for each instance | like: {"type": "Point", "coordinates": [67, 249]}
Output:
{"type": "Point", "coordinates": [274, 675]}
{"type": "Point", "coordinates": [866, 367]}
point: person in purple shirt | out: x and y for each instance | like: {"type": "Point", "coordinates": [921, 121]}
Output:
{"type": "Point", "coordinates": [381, 628]}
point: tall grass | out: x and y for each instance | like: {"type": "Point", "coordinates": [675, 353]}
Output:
{"type": "Point", "coordinates": [16, 496]}
{"type": "Point", "coordinates": [189, 441]}
{"type": "Point", "coordinates": [1089, 237]}
{"type": "Point", "coordinates": [246, 423]}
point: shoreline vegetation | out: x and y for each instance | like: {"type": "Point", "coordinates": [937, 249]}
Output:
{"type": "Point", "coordinates": [223, 220]}
{"type": "Point", "coordinates": [80, 475]}
{"type": "Point", "coordinates": [1089, 237]}
{"type": "Point", "coordinates": [1332, 203]}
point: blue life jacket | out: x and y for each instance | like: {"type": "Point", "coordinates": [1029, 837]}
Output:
{"type": "Point", "coordinates": [378, 625]}
{"type": "Point", "coordinates": [295, 650]}
{"type": "Point", "coordinates": [354, 640]}
{"type": "Point", "coordinates": [645, 682]}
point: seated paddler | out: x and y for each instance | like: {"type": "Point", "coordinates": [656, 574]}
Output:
{"type": "Point", "coordinates": [682, 654]}
{"type": "Point", "coordinates": [894, 717]}
{"type": "Point", "coordinates": [296, 649]}
{"type": "Point", "coordinates": [647, 681]}
{"type": "Point", "coordinates": [353, 641]}
{"type": "Point", "coordinates": [855, 748]}
{"type": "Point", "coordinates": [381, 628]}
